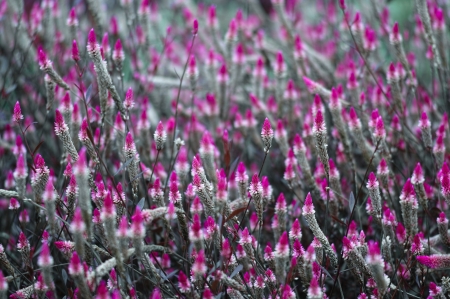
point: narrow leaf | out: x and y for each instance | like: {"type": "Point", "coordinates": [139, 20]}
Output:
{"type": "Point", "coordinates": [37, 147]}
{"type": "Point", "coordinates": [171, 274]}
{"type": "Point", "coordinates": [233, 167]}
{"type": "Point", "coordinates": [123, 166]}
{"type": "Point", "coordinates": [338, 220]}
{"type": "Point", "coordinates": [235, 213]}
{"type": "Point", "coordinates": [141, 203]}
{"type": "Point", "coordinates": [351, 202]}
{"type": "Point", "coordinates": [31, 167]}
{"type": "Point", "coordinates": [88, 93]}
{"type": "Point", "coordinates": [64, 276]}
{"type": "Point", "coordinates": [236, 271]}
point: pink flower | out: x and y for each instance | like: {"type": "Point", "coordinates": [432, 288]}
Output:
{"type": "Point", "coordinates": [199, 267]}
{"type": "Point", "coordinates": [267, 135]}
{"type": "Point", "coordinates": [17, 114]}
{"type": "Point", "coordinates": [160, 136]}
{"type": "Point", "coordinates": [246, 237]}
{"type": "Point", "coordinates": [308, 208]}
{"type": "Point", "coordinates": [435, 291]}
{"type": "Point", "coordinates": [395, 36]}
{"type": "Point", "coordinates": [195, 232]}
{"type": "Point", "coordinates": [77, 225]}
{"type": "Point", "coordinates": [118, 54]}
{"type": "Point", "coordinates": [436, 261]}
{"type": "Point", "coordinates": [60, 125]}
{"type": "Point", "coordinates": [23, 241]}
{"type": "Point", "coordinates": [75, 51]}
{"type": "Point", "coordinates": [102, 291]}
{"type": "Point", "coordinates": [129, 101]}
{"type": "Point", "coordinates": [108, 209]}
{"type": "Point", "coordinates": [319, 123]}
{"type": "Point", "coordinates": [372, 182]}
{"type": "Point", "coordinates": [137, 224]}
{"type": "Point", "coordinates": [75, 265]}
{"type": "Point", "coordinates": [282, 247]}
{"type": "Point", "coordinates": [195, 27]}
{"type": "Point", "coordinates": [45, 259]}
{"type": "Point", "coordinates": [92, 41]}
{"type": "Point", "coordinates": [3, 283]}
{"type": "Point", "coordinates": [14, 204]}
{"type": "Point", "coordinates": [417, 176]}
{"type": "Point", "coordinates": [314, 290]}
{"type": "Point", "coordinates": [183, 282]}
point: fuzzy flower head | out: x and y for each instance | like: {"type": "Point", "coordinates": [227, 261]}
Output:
{"type": "Point", "coordinates": [60, 125]}
{"type": "Point", "coordinates": [77, 225]}
{"type": "Point", "coordinates": [314, 289]}
{"type": "Point", "coordinates": [43, 61]}
{"type": "Point", "coordinates": [129, 100]}
{"type": "Point", "coordinates": [183, 282]}
{"type": "Point", "coordinates": [21, 170]}
{"type": "Point", "coordinates": [267, 135]}
{"type": "Point", "coordinates": [374, 256]}
{"type": "Point", "coordinates": [417, 176]}
{"type": "Point", "coordinates": [308, 207]}
{"type": "Point", "coordinates": [92, 45]}
{"type": "Point", "coordinates": [282, 247]}
{"type": "Point", "coordinates": [75, 51]}
{"type": "Point", "coordinates": [75, 266]}
{"type": "Point", "coordinates": [289, 173]}
{"type": "Point", "coordinates": [137, 229]}
{"type": "Point", "coordinates": [17, 113]}
{"type": "Point", "coordinates": [255, 186]}
{"type": "Point", "coordinates": [160, 136]}
{"type": "Point", "coordinates": [23, 242]}
{"type": "Point", "coordinates": [14, 204]}
{"type": "Point", "coordinates": [395, 36]}
{"type": "Point", "coordinates": [199, 267]}
{"type": "Point", "coordinates": [296, 232]}
{"type": "Point", "coordinates": [335, 100]}
{"type": "Point", "coordinates": [442, 219]}
{"type": "Point", "coordinates": [195, 231]}
{"type": "Point", "coordinates": [241, 174]}
{"type": "Point", "coordinates": [408, 194]}
{"type": "Point", "coordinates": [118, 54]}
{"type": "Point", "coordinates": [72, 20]}
{"type": "Point", "coordinates": [424, 122]}
{"type": "Point", "coordinates": [347, 246]}
{"type": "Point", "coordinates": [354, 122]}
{"type": "Point", "coordinates": [45, 259]}
{"type": "Point", "coordinates": [372, 182]}
{"type": "Point", "coordinates": [49, 193]}
{"type": "Point", "coordinates": [299, 145]}
{"type": "Point", "coordinates": [281, 203]}
{"type": "Point", "coordinates": [3, 283]}
{"type": "Point", "coordinates": [436, 261]}
{"type": "Point", "coordinates": [392, 73]}
{"type": "Point", "coordinates": [319, 126]}
{"type": "Point", "coordinates": [207, 147]}
{"type": "Point", "coordinates": [267, 188]}
{"type": "Point", "coordinates": [174, 193]}
{"type": "Point", "coordinates": [108, 210]}
{"type": "Point", "coordinates": [280, 66]}
{"type": "Point", "coordinates": [66, 247]}
{"type": "Point", "coordinates": [379, 130]}
{"type": "Point", "coordinates": [435, 290]}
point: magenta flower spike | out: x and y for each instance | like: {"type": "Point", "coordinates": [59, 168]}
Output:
{"type": "Point", "coordinates": [17, 114]}
{"type": "Point", "coordinates": [436, 261]}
